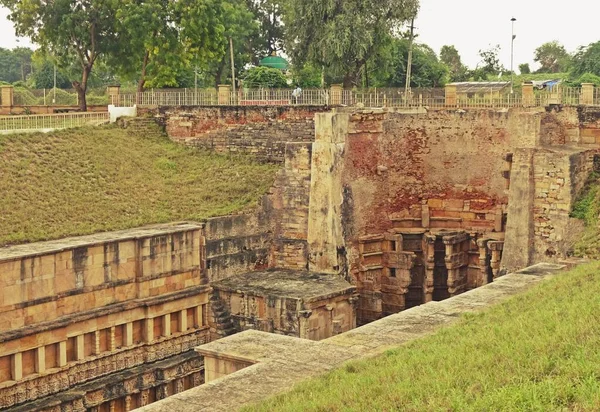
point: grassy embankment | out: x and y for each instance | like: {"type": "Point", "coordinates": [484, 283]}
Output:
{"type": "Point", "coordinates": [539, 351]}
{"type": "Point", "coordinates": [86, 180]}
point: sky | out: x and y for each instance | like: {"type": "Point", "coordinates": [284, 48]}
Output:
{"type": "Point", "coordinates": [472, 25]}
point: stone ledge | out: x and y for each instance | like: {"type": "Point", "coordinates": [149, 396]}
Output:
{"type": "Point", "coordinates": [280, 362]}
{"type": "Point", "coordinates": [54, 246]}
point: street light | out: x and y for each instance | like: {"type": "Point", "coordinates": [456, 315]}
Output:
{"type": "Point", "coordinates": [512, 48]}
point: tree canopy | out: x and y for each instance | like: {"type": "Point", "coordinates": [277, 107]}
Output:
{"type": "Point", "coordinates": [342, 35]}
{"type": "Point", "coordinates": [587, 60]}
{"type": "Point", "coordinates": [78, 32]}
{"type": "Point", "coordinates": [552, 57]}
{"type": "Point", "coordinates": [457, 70]}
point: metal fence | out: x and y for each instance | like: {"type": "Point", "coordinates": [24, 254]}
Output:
{"type": "Point", "coordinates": [429, 98]}
{"type": "Point", "coordinates": [51, 121]}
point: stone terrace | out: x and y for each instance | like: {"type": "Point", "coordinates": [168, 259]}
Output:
{"type": "Point", "coordinates": [272, 364]}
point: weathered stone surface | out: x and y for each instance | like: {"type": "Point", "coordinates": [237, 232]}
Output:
{"type": "Point", "coordinates": [279, 362]}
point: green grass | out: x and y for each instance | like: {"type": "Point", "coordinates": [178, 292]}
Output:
{"type": "Point", "coordinates": [587, 208]}
{"type": "Point", "coordinates": [538, 351]}
{"type": "Point", "coordinates": [86, 180]}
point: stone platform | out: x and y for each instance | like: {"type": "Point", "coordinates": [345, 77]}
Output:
{"type": "Point", "coordinates": [288, 302]}
{"type": "Point", "coordinates": [271, 364]}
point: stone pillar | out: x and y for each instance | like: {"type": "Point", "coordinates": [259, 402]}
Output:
{"type": "Point", "coordinates": [198, 317]}
{"type": "Point", "coordinates": [496, 248]}
{"type": "Point", "coordinates": [336, 91]}
{"type": "Point", "coordinates": [127, 403]}
{"type": "Point", "coordinates": [587, 94]}
{"type": "Point", "coordinates": [429, 253]}
{"type": "Point", "coordinates": [16, 366]}
{"type": "Point", "coordinates": [128, 334]}
{"type": "Point", "coordinates": [114, 94]}
{"type": "Point", "coordinates": [528, 96]}
{"type": "Point", "coordinates": [456, 261]}
{"type": "Point", "coordinates": [97, 342]}
{"type": "Point", "coordinates": [179, 387]}
{"type": "Point", "coordinates": [62, 353]}
{"type": "Point", "coordinates": [451, 95]}
{"type": "Point", "coordinates": [40, 359]}
{"type": "Point", "coordinates": [483, 263]}
{"type": "Point", "coordinates": [183, 320]}
{"type": "Point", "coordinates": [149, 330]}
{"type": "Point", "coordinates": [144, 395]}
{"type": "Point", "coordinates": [79, 347]}
{"type": "Point", "coordinates": [112, 346]}
{"type": "Point", "coordinates": [6, 96]}
{"type": "Point", "coordinates": [167, 324]}
{"type": "Point", "coordinates": [224, 94]}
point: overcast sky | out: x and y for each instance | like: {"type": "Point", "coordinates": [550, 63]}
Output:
{"type": "Point", "coordinates": [472, 25]}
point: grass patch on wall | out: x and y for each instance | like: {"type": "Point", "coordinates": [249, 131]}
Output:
{"type": "Point", "coordinates": [587, 208]}
{"type": "Point", "coordinates": [87, 180]}
{"type": "Point", "coordinates": [538, 351]}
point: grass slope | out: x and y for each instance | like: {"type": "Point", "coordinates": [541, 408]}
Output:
{"type": "Point", "coordinates": [86, 180]}
{"type": "Point", "coordinates": [539, 351]}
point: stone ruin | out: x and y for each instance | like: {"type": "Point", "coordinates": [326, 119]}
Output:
{"type": "Point", "coordinates": [373, 212]}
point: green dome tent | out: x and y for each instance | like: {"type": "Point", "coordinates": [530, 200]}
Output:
{"type": "Point", "coordinates": [274, 62]}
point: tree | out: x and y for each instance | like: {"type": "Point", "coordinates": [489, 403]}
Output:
{"type": "Point", "coordinates": [43, 77]}
{"type": "Point", "coordinates": [450, 57]}
{"type": "Point", "coordinates": [9, 66]}
{"type": "Point", "coordinates": [524, 68]}
{"type": "Point", "coordinates": [78, 32]}
{"type": "Point", "coordinates": [23, 56]}
{"type": "Point", "coordinates": [149, 42]}
{"type": "Point", "coordinates": [489, 65]}
{"type": "Point", "coordinates": [427, 69]}
{"type": "Point", "coordinates": [235, 21]}
{"type": "Point", "coordinates": [265, 77]}
{"type": "Point", "coordinates": [342, 35]}
{"type": "Point", "coordinates": [269, 38]}
{"type": "Point", "coordinates": [15, 64]}
{"type": "Point", "coordinates": [586, 60]}
{"type": "Point", "coordinates": [552, 57]}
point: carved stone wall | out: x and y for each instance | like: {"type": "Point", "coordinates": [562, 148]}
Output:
{"type": "Point", "coordinates": [262, 131]}
{"type": "Point", "coordinates": [85, 308]}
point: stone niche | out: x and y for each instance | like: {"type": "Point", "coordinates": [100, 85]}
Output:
{"type": "Point", "coordinates": [295, 303]}
{"type": "Point", "coordinates": [407, 267]}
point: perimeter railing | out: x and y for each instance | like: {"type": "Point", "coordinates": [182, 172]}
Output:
{"type": "Point", "coordinates": [51, 121]}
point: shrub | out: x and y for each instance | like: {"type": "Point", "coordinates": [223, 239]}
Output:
{"type": "Point", "coordinates": [265, 77]}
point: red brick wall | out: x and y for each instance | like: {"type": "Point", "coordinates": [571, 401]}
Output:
{"type": "Point", "coordinates": [452, 162]}
{"type": "Point", "coordinates": [262, 131]}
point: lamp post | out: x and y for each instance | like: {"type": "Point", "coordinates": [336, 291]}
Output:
{"type": "Point", "coordinates": [512, 49]}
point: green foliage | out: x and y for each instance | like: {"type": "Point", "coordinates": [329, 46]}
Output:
{"type": "Point", "coordinates": [72, 32]}
{"type": "Point", "coordinates": [552, 57]}
{"type": "Point", "coordinates": [342, 36]}
{"type": "Point", "coordinates": [269, 36]}
{"type": "Point", "coordinates": [490, 64]}
{"type": "Point", "coordinates": [307, 77]}
{"type": "Point", "coordinates": [457, 70]}
{"type": "Point", "coordinates": [586, 60]}
{"type": "Point", "coordinates": [15, 64]}
{"type": "Point", "coordinates": [265, 77]}
{"type": "Point", "coordinates": [427, 70]}
{"type": "Point", "coordinates": [589, 78]}
{"type": "Point", "coordinates": [587, 208]}
{"type": "Point", "coordinates": [538, 351]}
{"type": "Point", "coordinates": [43, 77]}
{"type": "Point", "coordinates": [524, 68]}
{"type": "Point", "coordinates": [24, 96]}
{"type": "Point", "coordinates": [82, 181]}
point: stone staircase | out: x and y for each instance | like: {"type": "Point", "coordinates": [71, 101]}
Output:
{"type": "Point", "coordinates": [143, 126]}
{"type": "Point", "coordinates": [223, 323]}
